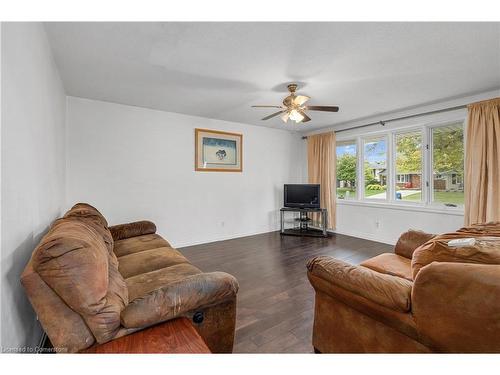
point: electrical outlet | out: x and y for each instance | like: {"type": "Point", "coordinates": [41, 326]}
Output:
{"type": "Point", "coordinates": [222, 223]}
{"type": "Point", "coordinates": [377, 224]}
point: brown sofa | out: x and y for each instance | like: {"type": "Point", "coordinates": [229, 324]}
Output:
{"type": "Point", "coordinates": [426, 297]}
{"type": "Point", "coordinates": [90, 283]}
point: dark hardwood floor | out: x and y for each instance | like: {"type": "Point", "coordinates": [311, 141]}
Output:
{"type": "Point", "coordinates": [275, 300]}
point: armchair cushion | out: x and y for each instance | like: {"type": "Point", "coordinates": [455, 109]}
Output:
{"type": "Point", "coordinates": [390, 264]}
{"type": "Point", "coordinates": [437, 250]}
{"type": "Point", "coordinates": [409, 241]}
{"type": "Point", "coordinates": [491, 228]}
{"type": "Point", "coordinates": [178, 298]}
{"type": "Point", "coordinates": [137, 228]}
{"type": "Point", "coordinates": [386, 290]}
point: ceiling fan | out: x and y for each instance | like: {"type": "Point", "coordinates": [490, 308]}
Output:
{"type": "Point", "coordinates": [293, 107]}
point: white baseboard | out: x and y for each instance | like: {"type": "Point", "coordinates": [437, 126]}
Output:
{"type": "Point", "coordinates": [357, 234]}
{"type": "Point", "coordinates": [366, 236]}
{"type": "Point", "coordinates": [179, 245]}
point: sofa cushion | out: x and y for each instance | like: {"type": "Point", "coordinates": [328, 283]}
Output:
{"type": "Point", "coordinates": [91, 216]}
{"type": "Point", "coordinates": [140, 243]}
{"type": "Point", "coordinates": [73, 260]}
{"type": "Point", "coordinates": [149, 260]}
{"type": "Point", "coordinates": [86, 210]}
{"type": "Point", "coordinates": [134, 229]}
{"type": "Point", "coordinates": [437, 250]}
{"type": "Point", "coordinates": [142, 284]}
{"type": "Point", "coordinates": [390, 264]}
{"type": "Point", "coordinates": [160, 301]}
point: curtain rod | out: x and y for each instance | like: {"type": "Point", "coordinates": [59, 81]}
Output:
{"type": "Point", "coordinates": [383, 122]}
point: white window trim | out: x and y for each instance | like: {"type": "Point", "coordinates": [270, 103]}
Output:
{"type": "Point", "coordinates": [429, 177]}
{"type": "Point", "coordinates": [426, 204]}
{"type": "Point", "coordinates": [423, 188]}
{"type": "Point", "coordinates": [361, 162]}
{"type": "Point", "coordinates": [353, 141]}
{"type": "Point", "coordinates": [402, 206]}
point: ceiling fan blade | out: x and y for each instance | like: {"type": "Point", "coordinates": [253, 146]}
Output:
{"type": "Point", "coordinates": [266, 106]}
{"type": "Point", "coordinates": [306, 117]}
{"type": "Point", "coordinates": [273, 115]}
{"type": "Point", "coordinates": [300, 99]}
{"type": "Point", "coordinates": [324, 108]}
{"type": "Point", "coordinates": [285, 116]}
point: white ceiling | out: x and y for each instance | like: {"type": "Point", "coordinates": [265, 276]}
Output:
{"type": "Point", "coordinates": [218, 70]}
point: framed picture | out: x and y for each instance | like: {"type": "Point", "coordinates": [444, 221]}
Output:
{"type": "Point", "coordinates": [217, 151]}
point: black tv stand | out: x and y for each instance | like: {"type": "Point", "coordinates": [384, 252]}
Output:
{"type": "Point", "coordinates": [303, 228]}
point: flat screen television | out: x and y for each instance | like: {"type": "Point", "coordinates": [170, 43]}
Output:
{"type": "Point", "coordinates": [301, 196]}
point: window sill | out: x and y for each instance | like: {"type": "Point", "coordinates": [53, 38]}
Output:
{"type": "Point", "coordinates": [404, 207]}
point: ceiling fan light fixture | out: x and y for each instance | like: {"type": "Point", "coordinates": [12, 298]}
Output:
{"type": "Point", "coordinates": [294, 107]}
{"type": "Point", "coordinates": [296, 116]}
{"type": "Point", "coordinates": [285, 116]}
{"type": "Point", "coordinates": [300, 99]}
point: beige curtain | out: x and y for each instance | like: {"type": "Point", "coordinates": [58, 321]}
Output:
{"type": "Point", "coordinates": [321, 163]}
{"type": "Point", "coordinates": [482, 162]}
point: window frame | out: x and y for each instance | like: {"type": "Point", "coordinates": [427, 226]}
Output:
{"type": "Point", "coordinates": [430, 148]}
{"type": "Point", "coordinates": [422, 164]}
{"type": "Point", "coordinates": [361, 188]}
{"type": "Point", "coordinates": [425, 204]}
{"type": "Point", "coordinates": [405, 178]}
{"type": "Point", "coordinates": [353, 141]}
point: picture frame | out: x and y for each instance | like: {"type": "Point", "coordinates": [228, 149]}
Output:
{"type": "Point", "coordinates": [218, 151]}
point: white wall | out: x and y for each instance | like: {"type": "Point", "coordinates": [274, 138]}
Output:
{"type": "Point", "coordinates": [33, 168]}
{"type": "Point", "coordinates": [385, 223]}
{"type": "Point", "coordinates": [135, 163]}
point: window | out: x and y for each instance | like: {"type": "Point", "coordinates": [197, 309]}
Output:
{"type": "Point", "coordinates": [456, 179]}
{"type": "Point", "coordinates": [347, 161]}
{"type": "Point", "coordinates": [375, 168]}
{"type": "Point", "coordinates": [421, 166]}
{"type": "Point", "coordinates": [403, 178]}
{"type": "Point", "coordinates": [448, 165]}
{"type": "Point", "coordinates": [408, 164]}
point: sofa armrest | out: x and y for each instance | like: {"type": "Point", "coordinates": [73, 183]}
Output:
{"type": "Point", "coordinates": [411, 240]}
{"type": "Point", "coordinates": [456, 307]}
{"type": "Point", "coordinates": [175, 299]}
{"type": "Point", "coordinates": [389, 291]}
{"type": "Point", "coordinates": [137, 228]}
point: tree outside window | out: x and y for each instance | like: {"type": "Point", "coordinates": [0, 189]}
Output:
{"type": "Point", "coordinates": [346, 169]}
